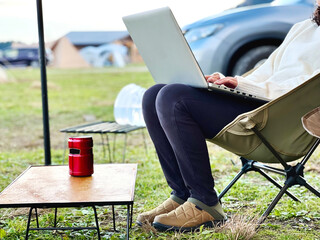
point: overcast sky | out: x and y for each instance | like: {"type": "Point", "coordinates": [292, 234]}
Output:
{"type": "Point", "coordinates": [18, 18]}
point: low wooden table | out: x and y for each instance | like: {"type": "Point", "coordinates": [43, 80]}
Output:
{"type": "Point", "coordinates": [53, 187]}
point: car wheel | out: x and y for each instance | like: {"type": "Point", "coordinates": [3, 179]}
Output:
{"type": "Point", "coordinates": [251, 59]}
{"type": "Point", "coordinates": [34, 64]}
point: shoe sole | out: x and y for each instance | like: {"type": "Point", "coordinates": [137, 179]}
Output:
{"type": "Point", "coordinates": [162, 227]}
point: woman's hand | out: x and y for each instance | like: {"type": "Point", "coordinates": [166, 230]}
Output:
{"type": "Point", "coordinates": [229, 82]}
{"type": "Point", "coordinates": [212, 78]}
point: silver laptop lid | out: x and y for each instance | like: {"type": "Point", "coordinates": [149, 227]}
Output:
{"type": "Point", "coordinates": [163, 48]}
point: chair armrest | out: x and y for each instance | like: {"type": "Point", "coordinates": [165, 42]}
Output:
{"type": "Point", "coordinates": [311, 122]}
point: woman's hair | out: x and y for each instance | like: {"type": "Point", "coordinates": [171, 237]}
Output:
{"type": "Point", "coordinates": [316, 16]}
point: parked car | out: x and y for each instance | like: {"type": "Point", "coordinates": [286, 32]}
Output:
{"type": "Point", "coordinates": [252, 2]}
{"type": "Point", "coordinates": [20, 57]}
{"type": "Point", "coordinates": [239, 39]}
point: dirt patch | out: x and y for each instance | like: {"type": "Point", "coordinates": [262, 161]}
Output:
{"type": "Point", "coordinates": [50, 85]}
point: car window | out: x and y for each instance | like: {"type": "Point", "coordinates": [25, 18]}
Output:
{"type": "Point", "coordinates": [31, 54]}
{"type": "Point", "coordinates": [285, 2]}
{"type": "Point", "coordinates": [11, 53]}
{"type": "Point", "coordinates": [244, 3]}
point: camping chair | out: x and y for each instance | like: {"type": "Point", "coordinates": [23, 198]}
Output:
{"type": "Point", "coordinates": [273, 133]}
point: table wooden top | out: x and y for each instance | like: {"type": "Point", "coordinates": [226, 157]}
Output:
{"type": "Point", "coordinates": [52, 186]}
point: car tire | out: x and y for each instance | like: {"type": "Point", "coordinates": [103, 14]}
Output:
{"type": "Point", "coordinates": [34, 64]}
{"type": "Point", "coordinates": [252, 59]}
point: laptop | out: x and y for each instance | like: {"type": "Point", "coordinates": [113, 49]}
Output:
{"type": "Point", "coordinates": [166, 52]}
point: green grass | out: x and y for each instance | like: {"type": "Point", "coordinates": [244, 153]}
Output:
{"type": "Point", "coordinates": [76, 94]}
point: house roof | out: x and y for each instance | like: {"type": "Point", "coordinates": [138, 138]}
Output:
{"type": "Point", "coordinates": [95, 38]}
{"type": "Point", "coordinates": [4, 45]}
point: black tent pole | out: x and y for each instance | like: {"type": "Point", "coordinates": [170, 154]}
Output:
{"type": "Point", "coordinates": [44, 90]}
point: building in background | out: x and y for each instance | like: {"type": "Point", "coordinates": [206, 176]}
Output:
{"type": "Point", "coordinates": [105, 48]}
{"type": "Point", "coordinates": [79, 50]}
{"type": "Point", "coordinates": [94, 39]}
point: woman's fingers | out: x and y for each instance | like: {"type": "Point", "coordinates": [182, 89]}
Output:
{"type": "Point", "coordinates": [228, 82]}
{"type": "Point", "coordinates": [212, 78]}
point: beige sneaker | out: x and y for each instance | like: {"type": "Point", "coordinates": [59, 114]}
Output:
{"type": "Point", "coordinates": [189, 216]}
{"type": "Point", "coordinates": [165, 207]}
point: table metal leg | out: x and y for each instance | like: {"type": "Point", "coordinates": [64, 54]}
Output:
{"type": "Point", "coordinates": [97, 223]}
{"type": "Point", "coordinates": [113, 219]}
{"type": "Point", "coordinates": [97, 228]}
{"type": "Point", "coordinates": [28, 225]}
{"type": "Point", "coordinates": [128, 220]}
{"type": "Point", "coordinates": [37, 219]}
{"type": "Point", "coordinates": [61, 228]}
{"type": "Point", "coordinates": [131, 215]}
{"type": "Point", "coordinates": [55, 217]}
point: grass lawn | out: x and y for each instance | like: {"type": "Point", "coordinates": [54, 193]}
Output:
{"type": "Point", "coordinates": [78, 95]}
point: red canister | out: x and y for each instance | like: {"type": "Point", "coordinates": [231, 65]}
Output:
{"type": "Point", "coordinates": [80, 156]}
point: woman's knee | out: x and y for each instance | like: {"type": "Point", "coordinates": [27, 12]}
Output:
{"type": "Point", "coordinates": [170, 95]}
{"type": "Point", "coordinates": [149, 97]}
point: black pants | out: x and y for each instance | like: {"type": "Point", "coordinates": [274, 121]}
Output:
{"type": "Point", "coordinates": [179, 119]}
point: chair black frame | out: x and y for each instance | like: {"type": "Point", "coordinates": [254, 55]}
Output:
{"type": "Point", "coordinates": [294, 174]}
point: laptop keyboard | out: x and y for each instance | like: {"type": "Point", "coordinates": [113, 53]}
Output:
{"type": "Point", "coordinates": [222, 87]}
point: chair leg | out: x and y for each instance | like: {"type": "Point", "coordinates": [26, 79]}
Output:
{"type": "Point", "coordinates": [124, 148]}
{"type": "Point", "coordinates": [311, 189]}
{"type": "Point", "coordinates": [109, 150]}
{"type": "Point", "coordinates": [304, 183]}
{"type": "Point", "coordinates": [270, 179]}
{"type": "Point", "coordinates": [64, 147]}
{"type": "Point", "coordinates": [102, 143]}
{"type": "Point", "coordinates": [144, 141]}
{"type": "Point", "coordinates": [295, 179]}
{"type": "Point", "coordinates": [273, 203]}
{"type": "Point", "coordinates": [312, 149]}
{"type": "Point", "coordinates": [114, 146]}
{"type": "Point", "coordinates": [234, 180]}
{"type": "Point", "coordinates": [246, 166]}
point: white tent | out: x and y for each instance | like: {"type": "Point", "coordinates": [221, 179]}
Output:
{"type": "Point", "coordinates": [65, 55]}
{"type": "Point", "coordinates": [106, 55]}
